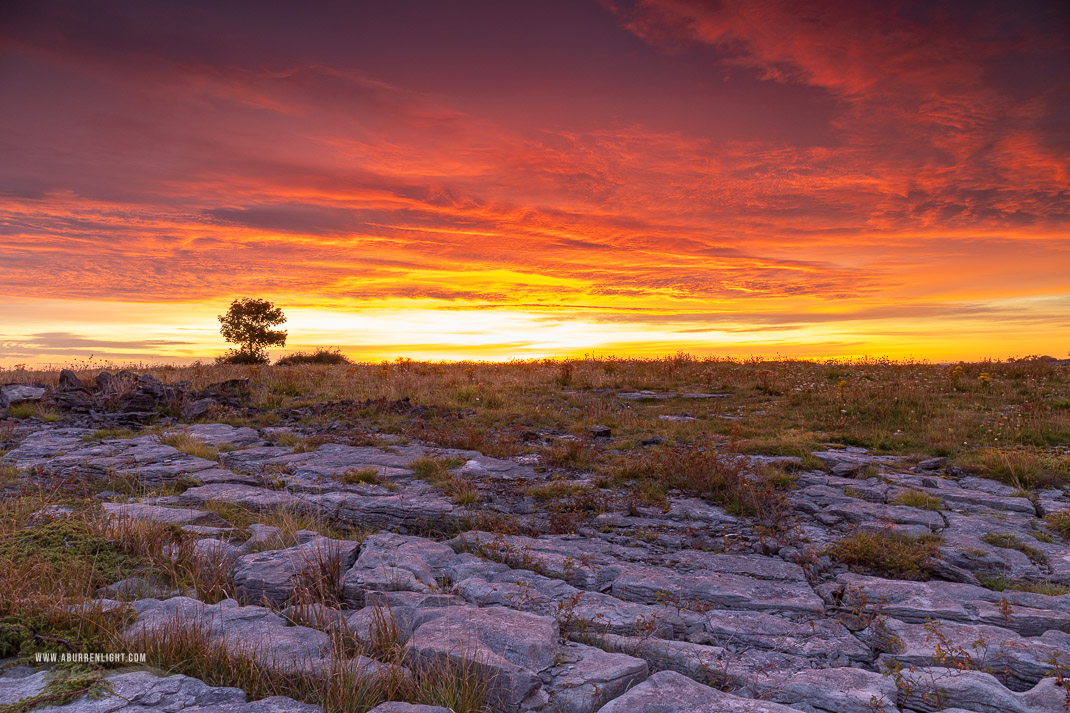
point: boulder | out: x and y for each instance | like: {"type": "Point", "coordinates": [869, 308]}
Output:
{"type": "Point", "coordinates": [274, 576]}
{"type": "Point", "coordinates": [390, 562]}
{"type": "Point", "coordinates": [399, 707]}
{"type": "Point", "coordinates": [69, 381]}
{"type": "Point", "coordinates": [839, 690]}
{"type": "Point", "coordinates": [671, 692]}
{"type": "Point", "coordinates": [509, 648]}
{"type": "Point", "coordinates": [664, 585]}
{"type": "Point", "coordinates": [587, 677]}
{"type": "Point", "coordinates": [825, 639]}
{"type": "Point", "coordinates": [11, 394]}
{"type": "Point", "coordinates": [164, 515]}
{"type": "Point", "coordinates": [148, 693]}
{"type": "Point", "coordinates": [253, 632]}
{"type": "Point", "coordinates": [933, 689]}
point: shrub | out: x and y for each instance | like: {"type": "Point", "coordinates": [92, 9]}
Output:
{"type": "Point", "coordinates": [320, 356]}
{"type": "Point", "coordinates": [362, 476]}
{"type": "Point", "coordinates": [236, 356]}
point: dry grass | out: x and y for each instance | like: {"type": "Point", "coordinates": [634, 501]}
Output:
{"type": "Point", "coordinates": [34, 410]}
{"type": "Point", "coordinates": [190, 445]}
{"type": "Point", "coordinates": [1024, 468]}
{"type": "Point", "coordinates": [887, 553]}
{"type": "Point", "coordinates": [1013, 542]}
{"type": "Point", "coordinates": [1059, 523]}
{"type": "Point", "coordinates": [288, 519]}
{"type": "Point", "coordinates": [437, 472]}
{"type": "Point", "coordinates": [719, 477]}
{"type": "Point", "coordinates": [917, 499]}
{"type": "Point", "coordinates": [50, 568]}
{"type": "Point", "coordinates": [363, 476]}
{"type": "Point", "coordinates": [177, 647]}
{"type": "Point", "coordinates": [775, 408]}
{"type": "Point", "coordinates": [9, 475]}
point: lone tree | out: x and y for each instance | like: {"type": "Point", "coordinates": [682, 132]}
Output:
{"type": "Point", "coordinates": [248, 324]}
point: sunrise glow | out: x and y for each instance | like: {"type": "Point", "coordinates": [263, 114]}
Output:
{"type": "Point", "coordinates": [518, 180]}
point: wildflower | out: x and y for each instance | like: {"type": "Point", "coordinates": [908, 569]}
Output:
{"type": "Point", "coordinates": [985, 378]}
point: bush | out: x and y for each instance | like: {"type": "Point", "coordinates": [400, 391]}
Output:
{"type": "Point", "coordinates": [320, 356]}
{"type": "Point", "coordinates": [236, 356]}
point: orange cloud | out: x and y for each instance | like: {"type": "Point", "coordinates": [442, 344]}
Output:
{"type": "Point", "coordinates": [694, 168]}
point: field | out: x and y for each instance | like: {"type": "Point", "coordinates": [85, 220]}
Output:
{"type": "Point", "coordinates": [669, 497]}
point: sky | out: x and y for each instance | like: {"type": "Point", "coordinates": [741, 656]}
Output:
{"type": "Point", "coordinates": [502, 179]}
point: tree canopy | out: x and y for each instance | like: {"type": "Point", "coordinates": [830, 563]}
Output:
{"type": "Point", "coordinates": [248, 323]}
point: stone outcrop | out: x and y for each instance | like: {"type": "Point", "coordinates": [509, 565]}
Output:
{"type": "Point", "coordinates": [682, 607]}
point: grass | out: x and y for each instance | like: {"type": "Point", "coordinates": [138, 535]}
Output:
{"type": "Point", "coordinates": [52, 566]}
{"type": "Point", "coordinates": [288, 519]}
{"type": "Point", "coordinates": [299, 443]}
{"type": "Point", "coordinates": [29, 409]}
{"type": "Point", "coordinates": [1059, 523]}
{"type": "Point", "coordinates": [999, 584]}
{"type": "Point", "coordinates": [177, 647]}
{"type": "Point", "coordinates": [190, 445]}
{"type": "Point", "coordinates": [363, 476]}
{"type": "Point", "coordinates": [1023, 468]}
{"type": "Point", "coordinates": [106, 434]}
{"type": "Point", "coordinates": [434, 469]}
{"type": "Point", "coordinates": [917, 499]}
{"type": "Point", "coordinates": [64, 686]}
{"type": "Point", "coordinates": [9, 475]}
{"type": "Point", "coordinates": [1012, 542]}
{"type": "Point", "coordinates": [437, 472]}
{"type": "Point", "coordinates": [719, 477]}
{"type": "Point", "coordinates": [900, 407]}
{"type": "Point", "coordinates": [887, 553]}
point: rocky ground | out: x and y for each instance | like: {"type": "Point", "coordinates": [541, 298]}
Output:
{"type": "Point", "coordinates": [679, 606]}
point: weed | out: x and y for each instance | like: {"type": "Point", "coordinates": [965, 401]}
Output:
{"type": "Point", "coordinates": [107, 434]}
{"type": "Point", "coordinates": [999, 584]}
{"type": "Point", "coordinates": [9, 475]}
{"type": "Point", "coordinates": [434, 469]}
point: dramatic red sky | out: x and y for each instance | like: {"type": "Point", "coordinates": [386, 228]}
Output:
{"type": "Point", "coordinates": [513, 179]}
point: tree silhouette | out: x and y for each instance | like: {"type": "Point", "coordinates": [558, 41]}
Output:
{"type": "Point", "coordinates": [248, 324]}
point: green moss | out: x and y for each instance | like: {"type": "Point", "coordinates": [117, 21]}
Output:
{"type": "Point", "coordinates": [69, 543]}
